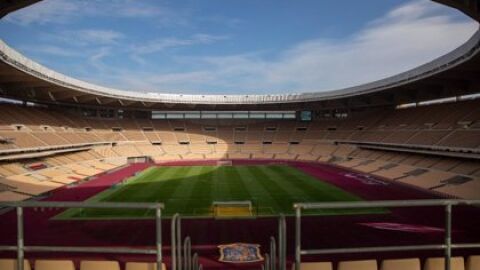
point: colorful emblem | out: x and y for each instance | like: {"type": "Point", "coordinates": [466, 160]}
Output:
{"type": "Point", "coordinates": [240, 253]}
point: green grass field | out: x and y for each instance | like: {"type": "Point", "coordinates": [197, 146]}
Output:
{"type": "Point", "coordinates": [190, 191]}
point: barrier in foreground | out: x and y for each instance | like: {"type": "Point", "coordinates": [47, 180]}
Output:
{"type": "Point", "coordinates": [447, 246]}
{"type": "Point", "coordinates": [20, 248]}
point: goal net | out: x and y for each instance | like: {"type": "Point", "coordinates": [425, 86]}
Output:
{"type": "Point", "coordinates": [224, 163]}
{"type": "Point", "coordinates": [232, 209]}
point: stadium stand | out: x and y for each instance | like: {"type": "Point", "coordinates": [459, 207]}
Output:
{"type": "Point", "coordinates": [99, 265]}
{"type": "Point", "coordinates": [457, 263]}
{"type": "Point", "coordinates": [142, 266]}
{"type": "Point", "coordinates": [11, 264]}
{"type": "Point", "coordinates": [315, 266]}
{"type": "Point", "coordinates": [358, 265]}
{"type": "Point", "coordinates": [473, 262]}
{"type": "Point", "coordinates": [401, 264]}
{"type": "Point", "coordinates": [54, 265]}
{"type": "Point", "coordinates": [328, 141]}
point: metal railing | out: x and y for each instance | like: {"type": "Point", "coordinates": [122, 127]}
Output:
{"type": "Point", "coordinates": [20, 248]}
{"type": "Point", "coordinates": [176, 232]}
{"type": "Point", "coordinates": [282, 243]}
{"type": "Point", "coordinates": [446, 247]}
{"type": "Point", "coordinates": [185, 261]}
{"type": "Point", "coordinates": [276, 259]}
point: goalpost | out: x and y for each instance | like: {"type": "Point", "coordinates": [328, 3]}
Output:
{"type": "Point", "coordinates": [224, 163]}
{"type": "Point", "coordinates": [232, 209]}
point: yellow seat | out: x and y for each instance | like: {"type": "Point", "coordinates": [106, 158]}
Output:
{"type": "Point", "coordinates": [143, 266]}
{"type": "Point", "coordinates": [99, 265]}
{"type": "Point", "coordinates": [456, 263]}
{"type": "Point", "coordinates": [314, 266]}
{"type": "Point", "coordinates": [473, 262]}
{"type": "Point", "coordinates": [358, 265]}
{"type": "Point", "coordinates": [401, 264]}
{"type": "Point", "coordinates": [11, 264]}
{"type": "Point", "coordinates": [54, 265]}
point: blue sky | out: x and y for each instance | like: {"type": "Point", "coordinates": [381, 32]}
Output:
{"type": "Point", "coordinates": [234, 47]}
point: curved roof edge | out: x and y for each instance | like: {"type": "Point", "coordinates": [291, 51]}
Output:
{"type": "Point", "coordinates": [452, 59]}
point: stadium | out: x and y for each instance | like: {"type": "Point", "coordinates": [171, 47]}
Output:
{"type": "Point", "coordinates": [383, 175]}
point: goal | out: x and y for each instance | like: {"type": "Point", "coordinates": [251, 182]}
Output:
{"type": "Point", "coordinates": [232, 209]}
{"type": "Point", "coordinates": [224, 163]}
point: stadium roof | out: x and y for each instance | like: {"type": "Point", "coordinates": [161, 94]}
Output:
{"type": "Point", "coordinates": [453, 74]}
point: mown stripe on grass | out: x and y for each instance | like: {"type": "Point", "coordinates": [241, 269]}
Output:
{"type": "Point", "coordinates": [289, 183]}
{"type": "Point", "coordinates": [315, 189]}
{"type": "Point", "coordinates": [278, 193]}
{"type": "Point", "coordinates": [259, 195]}
{"type": "Point", "coordinates": [192, 193]}
{"type": "Point", "coordinates": [141, 189]}
{"type": "Point", "coordinates": [222, 191]}
{"type": "Point", "coordinates": [237, 187]}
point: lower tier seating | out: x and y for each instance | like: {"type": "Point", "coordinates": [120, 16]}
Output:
{"type": "Point", "coordinates": [11, 264]}
{"type": "Point", "coordinates": [457, 263]}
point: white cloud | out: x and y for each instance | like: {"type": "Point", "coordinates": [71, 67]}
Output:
{"type": "Point", "coordinates": [44, 12]}
{"type": "Point", "coordinates": [50, 50]}
{"type": "Point", "coordinates": [99, 36]}
{"type": "Point", "coordinates": [96, 58]}
{"type": "Point", "coordinates": [158, 45]}
{"type": "Point", "coordinates": [65, 11]}
{"type": "Point", "coordinates": [83, 37]}
{"type": "Point", "coordinates": [166, 43]}
{"type": "Point", "coordinates": [406, 37]}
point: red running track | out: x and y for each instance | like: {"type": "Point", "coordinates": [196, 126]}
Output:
{"type": "Point", "coordinates": [206, 234]}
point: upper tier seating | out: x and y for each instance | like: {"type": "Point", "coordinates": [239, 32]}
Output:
{"type": "Point", "coordinates": [450, 125]}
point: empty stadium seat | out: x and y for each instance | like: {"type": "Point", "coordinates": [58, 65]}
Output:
{"type": "Point", "coordinates": [11, 264]}
{"type": "Point", "coordinates": [143, 266]}
{"type": "Point", "coordinates": [401, 264]}
{"type": "Point", "coordinates": [473, 263]}
{"type": "Point", "coordinates": [314, 266]}
{"type": "Point", "coordinates": [99, 265]}
{"type": "Point", "coordinates": [358, 265]}
{"type": "Point", "coordinates": [456, 263]}
{"type": "Point", "coordinates": [54, 265]}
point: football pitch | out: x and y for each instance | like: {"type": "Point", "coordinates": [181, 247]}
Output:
{"type": "Point", "coordinates": [192, 190]}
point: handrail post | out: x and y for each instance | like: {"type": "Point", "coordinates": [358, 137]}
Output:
{"type": "Point", "coordinates": [158, 220]}
{"type": "Point", "coordinates": [179, 243]}
{"type": "Point", "coordinates": [273, 253]}
{"type": "Point", "coordinates": [298, 240]}
{"type": "Point", "coordinates": [281, 242]}
{"type": "Point", "coordinates": [284, 243]}
{"type": "Point", "coordinates": [267, 261]}
{"type": "Point", "coordinates": [20, 240]}
{"type": "Point", "coordinates": [448, 236]}
{"type": "Point", "coordinates": [173, 243]}
{"type": "Point", "coordinates": [195, 262]}
{"type": "Point", "coordinates": [187, 253]}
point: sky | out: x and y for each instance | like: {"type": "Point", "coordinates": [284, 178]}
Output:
{"type": "Point", "coordinates": [234, 46]}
